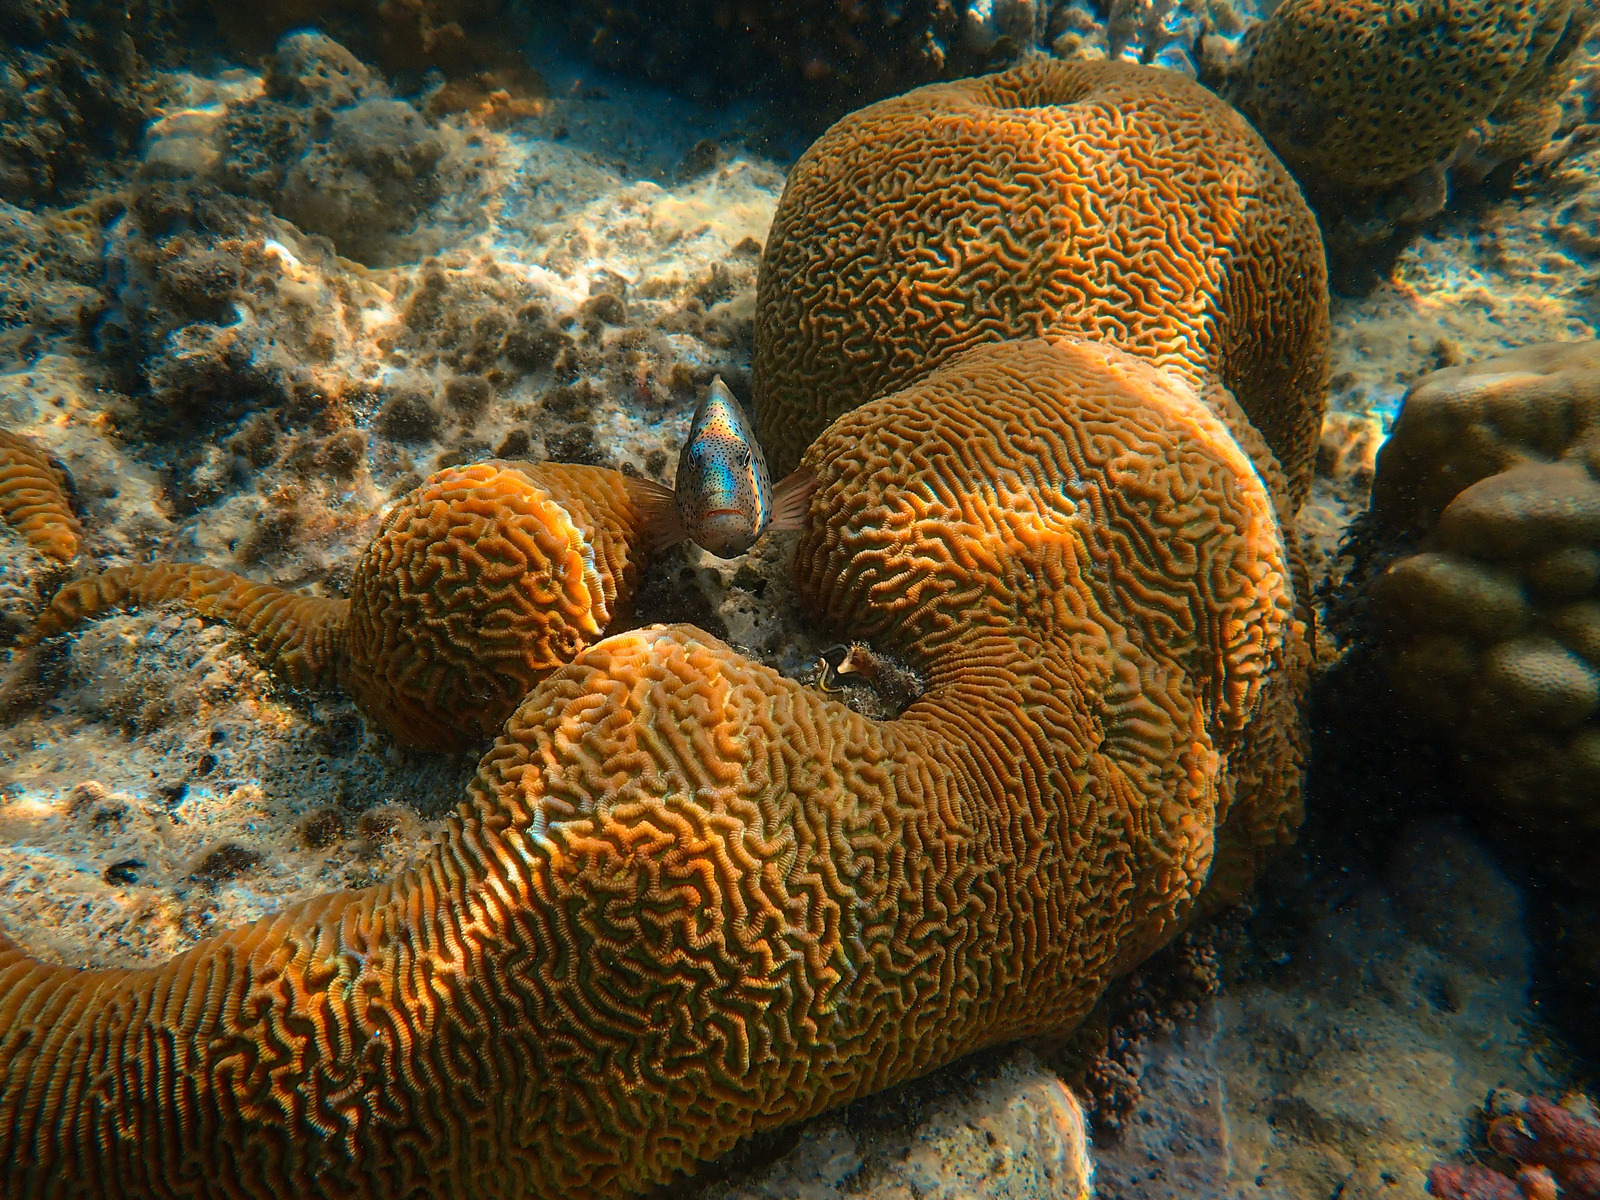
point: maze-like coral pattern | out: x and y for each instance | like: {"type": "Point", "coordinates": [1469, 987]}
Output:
{"type": "Point", "coordinates": [300, 638]}
{"type": "Point", "coordinates": [1123, 203]}
{"type": "Point", "coordinates": [1363, 93]}
{"type": "Point", "coordinates": [480, 582]}
{"type": "Point", "coordinates": [688, 898]}
{"type": "Point", "coordinates": [1490, 621]}
{"type": "Point", "coordinates": [33, 498]}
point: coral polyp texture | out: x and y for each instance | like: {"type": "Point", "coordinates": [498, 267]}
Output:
{"type": "Point", "coordinates": [33, 498]}
{"type": "Point", "coordinates": [1365, 93]}
{"type": "Point", "coordinates": [688, 898]}
{"type": "Point", "coordinates": [1556, 1148]}
{"type": "Point", "coordinates": [1118, 202]}
{"type": "Point", "coordinates": [479, 583]}
{"type": "Point", "coordinates": [1490, 619]}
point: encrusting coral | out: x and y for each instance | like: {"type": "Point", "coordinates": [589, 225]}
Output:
{"type": "Point", "coordinates": [479, 583]}
{"type": "Point", "coordinates": [1488, 622]}
{"type": "Point", "coordinates": [1556, 1148]}
{"type": "Point", "coordinates": [688, 898]}
{"type": "Point", "coordinates": [33, 498]}
{"type": "Point", "coordinates": [1119, 202]}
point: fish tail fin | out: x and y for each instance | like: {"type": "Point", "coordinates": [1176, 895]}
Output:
{"type": "Point", "coordinates": [791, 500]}
{"type": "Point", "coordinates": [657, 506]}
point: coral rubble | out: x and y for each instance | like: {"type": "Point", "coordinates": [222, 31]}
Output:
{"type": "Point", "coordinates": [77, 85]}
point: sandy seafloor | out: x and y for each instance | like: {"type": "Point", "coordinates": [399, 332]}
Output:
{"type": "Point", "coordinates": [155, 785]}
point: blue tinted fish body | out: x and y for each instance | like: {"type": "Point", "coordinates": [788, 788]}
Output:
{"type": "Point", "coordinates": [724, 491]}
{"type": "Point", "coordinates": [725, 498]}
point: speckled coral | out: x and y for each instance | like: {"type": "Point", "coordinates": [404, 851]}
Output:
{"type": "Point", "coordinates": [1366, 93]}
{"type": "Point", "coordinates": [33, 498]}
{"type": "Point", "coordinates": [1119, 202]}
{"type": "Point", "coordinates": [688, 898]}
{"type": "Point", "coordinates": [1490, 618]}
{"type": "Point", "coordinates": [478, 584]}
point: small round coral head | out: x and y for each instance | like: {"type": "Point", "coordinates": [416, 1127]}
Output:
{"type": "Point", "coordinates": [725, 497]}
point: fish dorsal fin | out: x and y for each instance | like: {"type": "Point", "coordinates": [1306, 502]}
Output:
{"type": "Point", "coordinates": [791, 500]}
{"type": "Point", "coordinates": [658, 513]}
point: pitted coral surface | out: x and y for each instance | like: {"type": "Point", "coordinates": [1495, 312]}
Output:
{"type": "Point", "coordinates": [1122, 203]}
{"type": "Point", "coordinates": [688, 898]}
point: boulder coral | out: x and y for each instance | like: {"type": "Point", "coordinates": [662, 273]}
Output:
{"type": "Point", "coordinates": [1113, 201]}
{"type": "Point", "coordinates": [687, 898]}
{"type": "Point", "coordinates": [479, 583]}
{"type": "Point", "coordinates": [1489, 617]}
{"type": "Point", "coordinates": [1367, 93]}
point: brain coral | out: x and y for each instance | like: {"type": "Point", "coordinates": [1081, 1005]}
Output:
{"type": "Point", "coordinates": [1119, 202]}
{"type": "Point", "coordinates": [33, 498]}
{"type": "Point", "coordinates": [480, 582]}
{"type": "Point", "coordinates": [1491, 617]}
{"type": "Point", "coordinates": [1364, 93]}
{"type": "Point", "coordinates": [687, 898]}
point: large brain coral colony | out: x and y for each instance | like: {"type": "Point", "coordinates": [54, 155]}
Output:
{"type": "Point", "coordinates": [1100, 199]}
{"type": "Point", "coordinates": [687, 898]}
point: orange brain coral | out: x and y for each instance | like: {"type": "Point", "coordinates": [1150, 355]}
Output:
{"type": "Point", "coordinates": [1123, 203]}
{"type": "Point", "coordinates": [1364, 93]}
{"type": "Point", "coordinates": [479, 583]}
{"type": "Point", "coordinates": [688, 898]}
{"type": "Point", "coordinates": [33, 497]}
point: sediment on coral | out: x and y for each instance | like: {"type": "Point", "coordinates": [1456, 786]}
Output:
{"type": "Point", "coordinates": [1485, 521]}
{"type": "Point", "coordinates": [902, 238]}
{"type": "Point", "coordinates": [829, 904]}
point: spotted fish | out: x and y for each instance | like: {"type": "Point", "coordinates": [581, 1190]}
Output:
{"type": "Point", "coordinates": [725, 498]}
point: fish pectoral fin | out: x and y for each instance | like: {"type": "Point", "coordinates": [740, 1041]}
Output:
{"type": "Point", "coordinates": [658, 513]}
{"type": "Point", "coordinates": [791, 500]}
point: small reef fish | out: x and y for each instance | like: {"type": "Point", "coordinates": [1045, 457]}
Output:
{"type": "Point", "coordinates": [725, 499]}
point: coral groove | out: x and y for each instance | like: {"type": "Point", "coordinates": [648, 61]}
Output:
{"type": "Point", "coordinates": [33, 498]}
{"type": "Point", "coordinates": [1111, 201]}
{"type": "Point", "coordinates": [479, 583]}
{"type": "Point", "coordinates": [688, 898]}
{"type": "Point", "coordinates": [301, 638]}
